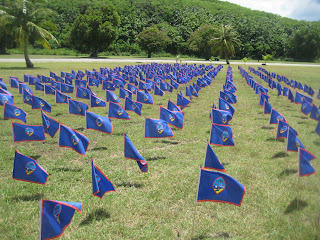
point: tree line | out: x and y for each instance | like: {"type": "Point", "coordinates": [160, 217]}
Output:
{"type": "Point", "coordinates": [186, 27]}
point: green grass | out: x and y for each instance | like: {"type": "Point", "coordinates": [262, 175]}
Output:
{"type": "Point", "coordinates": [161, 203]}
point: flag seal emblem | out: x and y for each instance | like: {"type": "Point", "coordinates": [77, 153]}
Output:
{"type": "Point", "coordinates": [17, 112]}
{"type": "Point", "coordinates": [171, 117]}
{"type": "Point", "coordinates": [226, 97]}
{"type": "Point", "coordinates": [297, 142]}
{"type": "Point", "coordinates": [317, 114]}
{"type": "Point", "coordinates": [280, 118]}
{"type": "Point", "coordinates": [84, 93]}
{"type": "Point", "coordinates": [29, 131]}
{"type": "Point", "coordinates": [79, 107]}
{"type": "Point", "coordinates": [67, 88]}
{"type": "Point", "coordinates": [114, 96]}
{"type": "Point", "coordinates": [56, 211]}
{"type": "Point", "coordinates": [225, 136]}
{"type": "Point", "coordinates": [4, 99]}
{"type": "Point", "coordinates": [41, 103]}
{"type": "Point", "coordinates": [219, 185]}
{"type": "Point", "coordinates": [134, 106]}
{"type": "Point", "coordinates": [63, 98]}
{"type": "Point", "coordinates": [176, 109]}
{"type": "Point", "coordinates": [120, 111]}
{"type": "Point", "coordinates": [283, 129]}
{"type": "Point", "coordinates": [30, 168]}
{"type": "Point", "coordinates": [52, 90]}
{"type": "Point", "coordinates": [126, 93]}
{"type": "Point", "coordinates": [48, 123]}
{"type": "Point", "coordinates": [132, 89]}
{"type": "Point", "coordinates": [304, 106]}
{"type": "Point", "coordinates": [160, 128]}
{"type": "Point", "coordinates": [98, 178]}
{"type": "Point", "coordinates": [74, 139]}
{"type": "Point", "coordinates": [224, 118]}
{"type": "Point", "coordinates": [98, 101]}
{"type": "Point", "coordinates": [27, 98]}
{"type": "Point", "coordinates": [226, 106]}
{"type": "Point", "coordinates": [145, 97]}
{"type": "Point", "coordinates": [99, 122]}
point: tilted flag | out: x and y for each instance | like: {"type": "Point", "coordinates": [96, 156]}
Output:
{"type": "Point", "coordinates": [226, 97]}
{"type": "Point", "coordinates": [117, 112]}
{"type": "Point", "coordinates": [108, 86]}
{"type": "Point", "coordinates": [220, 116]}
{"type": "Point", "coordinates": [290, 96]}
{"type": "Point", "coordinates": [55, 216]}
{"type": "Point", "coordinates": [193, 91]}
{"type": "Point", "coordinates": [143, 165]}
{"type": "Point", "coordinates": [99, 123]}
{"type": "Point", "coordinates": [285, 91]}
{"type": "Point", "coordinates": [77, 108]}
{"type": "Point", "coordinates": [100, 183]}
{"type": "Point", "coordinates": [158, 91]}
{"type": "Point", "coordinates": [315, 113]}
{"type": "Point", "coordinates": [263, 98]}
{"type": "Point", "coordinates": [175, 119]}
{"type": "Point", "coordinates": [298, 98]}
{"type": "Point", "coordinates": [293, 142]}
{"type": "Point", "coordinates": [306, 107]}
{"type": "Point", "coordinates": [27, 169]}
{"type": "Point", "coordinates": [219, 187]}
{"type": "Point", "coordinates": [318, 129]}
{"type": "Point", "coordinates": [39, 103]}
{"type": "Point", "coordinates": [275, 117]}
{"type": "Point", "coordinates": [318, 96]}
{"type": "Point", "coordinates": [182, 101]}
{"type": "Point", "coordinates": [22, 132]}
{"type": "Point", "coordinates": [144, 97]}
{"type": "Point", "coordinates": [62, 98]}
{"type": "Point", "coordinates": [49, 90]}
{"type": "Point", "coordinates": [26, 87]}
{"type": "Point", "coordinates": [267, 108]}
{"type": "Point", "coordinates": [305, 168]}
{"type": "Point", "coordinates": [223, 105]}
{"type": "Point", "coordinates": [173, 107]}
{"type": "Point", "coordinates": [97, 102]}
{"type": "Point", "coordinates": [133, 106]}
{"type": "Point", "coordinates": [13, 112]}
{"type": "Point", "coordinates": [50, 125]}
{"type": "Point", "coordinates": [111, 97]}
{"type": "Point", "coordinates": [14, 83]}
{"type": "Point", "coordinates": [157, 128]}
{"type": "Point", "coordinates": [39, 86]}
{"type": "Point", "coordinates": [211, 160]}
{"type": "Point", "coordinates": [130, 150]}
{"type": "Point", "coordinates": [123, 93]}
{"type": "Point", "coordinates": [83, 93]}
{"type": "Point", "coordinates": [66, 88]}
{"type": "Point", "coordinates": [132, 88]}
{"type": "Point", "coordinates": [27, 97]}
{"type": "Point", "coordinates": [72, 139]}
{"type": "Point", "coordinates": [221, 135]}
{"type": "Point", "coordinates": [283, 128]}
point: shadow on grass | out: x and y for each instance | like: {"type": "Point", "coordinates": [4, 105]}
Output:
{"type": "Point", "coordinates": [221, 235]}
{"type": "Point", "coordinates": [295, 205]}
{"type": "Point", "coordinates": [156, 158]}
{"type": "Point", "coordinates": [167, 141]}
{"type": "Point", "coordinates": [287, 172]}
{"type": "Point", "coordinates": [118, 134]}
{"type": "Point", "coordinates": [32, 197]}
{"type": "Point", "coordinates": [35, 157]}
{"type": "Point", "coordinates": [301, 122]}
{"type": "Point", "coordinates": [79, 129]}
{"type": "Point", "coordinates": [66, 169]}
{"type": "Point", "coordinates": [129, 184]}
{"type": "Point", "coordinates": [58, 114]}
{"type": "Point", "coordinates": [99, 215]}
{"type": "Point", "coordinates": [279, 155]}
{"type": "Point", "coordinates": [273, 139]}
{"type": "Point", "coordinates": [317, 143]}
{"type": "Point", "coordinates": [22, 68]}
{"type": "Point", "coordinates": [98, 149]}
{"type": "Point", "coordinates": [302, 117]}
{"type": "Point", "coordinates": [267, 127]}
{"type": "Point", "coordinates": [208, 131]}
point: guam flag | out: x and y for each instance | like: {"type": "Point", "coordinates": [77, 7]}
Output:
{"type": "Point", "coordinates": [116, 111]}
{"type": "Point", "coordinates": [55, 216]}
{"type": "Point", "coordinates": [50, 125]}
{"type": "Point", "coordinates": [267, 108]}
{"type": "Point", "coordinates": [173, 107]}
{"type": "Point", "coordinates": [83, 93]}
{"type": "Point", "coordinates": [132, 88]}
{"type": "Point", "coordinates": [157, 128]}
{"type": "Point", "coordinates": [99, 123]}
{"type": "Point", "coordinates": [27, 97]}
{"type": "Point", "coordinates": [66, 88]}
{"type": "Point", "coordinates": [39, 86]}
{"type": "Point", "coordinates": [26, 87]}
{"type": "Point", "coordinates": [283, 128]}
{"type": "Point", "coordinates": [100, 183]}
{"type": "Point", "coordinates": [144, 97]}
{"type": "Point", "coordinates": [62, 98]}
{"type": "Point", "coordinates": [22, 132]}
{"type": "Point", "coordinates": [221, 135]}
{"type": "Point", "coordinates": [49, 90]}
{"type": "Point", "coordinates": [39, 103]}
{"type": "Point", "coordinates": [318, 128]}
{"type": "Point", "coordinates": [298, 98]}
{"type": "Point", "coordinates": [123, 93]}
{"type": "Point", "coordinates": [108, 86]}
{"type": "Point", "coordinates": [223, 105]}
{"type": "Point", "coordinates": [77, 108]}
{"type": "Point", "coordinates": [220, 116]}
{"type": "Point", "coordinates": [13, 112]}
{"type": "Point", "coordinates": [263, 98]}
{"type": "Point", "coordinates": [97, 102]}
{"type": "Point", "coordinates": [111, 97]}
{"type": "Point", "coordinates": [275, 117]}
{"type": "Point", "coordinates": [315, 113]}
{"type": "Point", "coordinates": [305, 168]}
{"type": "Point", "coordinates": [72, 139]}
{"type": "Point", "coordinates": [285, 91]}
{"type": "Point", "coordinates": [293, 142]}
{"type": "Point", "coordinates": [175, 119]}
{"type": "Point", "coordinates": [193, 91]}
{"type": "Point", "coordinates": [211, 160]}
{"type": "Point", "coordinates": [291, 96]}
{"type": "Point", "coordinates": [182, 101]}
{"type": "Point", "coordinates": [219, 187]}
{"type": "Point", "coordinates": [158, 91]}
{"type": "Point", "coordinates": [318, 96]}
{"type": "Point", "coordinates": [27, 169]}
{"type": "Point", "coordinates": [130, 150]}
{"type": "Point", "coordinates": [226, 97]}
{"type": "Point", "coordinates": [133, 106]}
{"type": "Point", "coordinates": [306, 107]}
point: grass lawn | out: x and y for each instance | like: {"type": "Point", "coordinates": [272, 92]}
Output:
{"type": "Point", "coordinates": [161, 203]}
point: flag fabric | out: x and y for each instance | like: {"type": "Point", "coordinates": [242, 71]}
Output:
{"type": "Point", "coordinates": [132, 88]}
{"type": "Point", "coordinates": [39, 86]}
{"type": "Point", "coordinates": [66, 88]}
{"type": "Point", "coordinates": [13, 112]}
{"type": "Point", "coordinates": [182, 101]}
{"type": "Point", "coordinates": [72, 139]}
{"type": "Point", "coordinates": [223, 105]}
{"type": "Point", "coordinates": [219, 187]}
{"type": "Point", "coordinates": [263, 98]}
{"type": "Point", "coordinates": [193, 91]}
{"type": "Point", "coordinates": [49, 90]}
{"type": "Point", "coordinates": [157, 128]}
{"type": "Point", "coordinates": [291, 96]}
{"type": "Point", "coordinates": [99, 123]}
{"type": "Point", "coordinates": [123, 93]}
{"type": "Point", "coordinates": [130, 150]}
{"type": "Point", "coordinates": [173, 107]}
{"type": "Point", "coordinates": [306, 107]}
{"type": "Point", "coordinates": [221, 135]}
{"type": "Point", "coordinates": [298, 98]}
{"type": "Point", "coordinates": [282, 130]}
{"type": "Point", "coordinates": [111, 97]}
{"type": "Point", "coordinates": [211, 160]}
{"type": "Point", "coordinates": [305, 168]}
{"type": "Point", "coordinates": [50, 125]}
{"type": "Point", "coordinates": [175, 119]}
{"type": "Point", "coordinates": [318, 96]}
{"type": "Point", "coordinates": [26, 87]}
{"type": "Point", "coordinates": [100, 183]}
{"type": "Point", "coordinates": [315, 113]}
{"type": "Point", "coordinates": [97, 102]}
{"type": "Point", "coordinates": [226, 97]}
{"type": "Point", "coordinates": [144, 97]}
{"type": "Point", "coordinates": [158, 91]}
{"type": "Point", "coordinates": [14, 83]}
{"type": "Point", "coordinates": [22, 132]}
{"type": "Point", "coordinates": [27, 97]}
{"type": "Point", "coordinates": [133, 106]}
{"type": "Point", "coordinates": [143, 165]}
{"type": "Point", "coordinates": [55, 216]}
{"type": "Point", "coordinates": [82, 92]}
{"type": "Point", "coordinates": [267, 108]}
{"type": "Point", "coordinates": [77, 108]}
{"type": "Point", "coordinates": [275, 117]}
{"type": "Point", "coordinates": [108, 86]}
{"type": "Point", "coordinates": [117, 112]}
{"type": "Point", "coordinates": [39, 103]}
{"type": "Point", "coordinates": [285, 91]}
{"type": "Point", "coordinates": [62, 98]}
{"type": "Point", "coordinates": [219, 116]}
{"type": "Point", "coordinates": [293, 142]}
{"type": "Point", "coordinates": [27, 169]}
{"type": "Point", "coordinates": [318, 129]}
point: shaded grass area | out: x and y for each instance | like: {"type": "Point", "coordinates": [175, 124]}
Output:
{"type": "Point", "coordinates": [161, 203]}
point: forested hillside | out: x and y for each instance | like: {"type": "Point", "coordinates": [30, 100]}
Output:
{"type": "Point", "coordinates": [259, 32]}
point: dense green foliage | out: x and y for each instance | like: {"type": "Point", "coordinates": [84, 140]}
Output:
{"type": "Point", "coordinates": [260, 33]}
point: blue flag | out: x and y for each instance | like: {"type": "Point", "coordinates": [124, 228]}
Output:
{"type": "Point", "coordinates": [143, 165]}
{"type": "Point", "coordinates": [221, 135]}
{"type": "Point", "coordinates": [100, 183]}
{"type": "Point", "coordinates": [133, 106]}
{"type": "Point", "coordinates": [72, 139]}
{"type": "Point", "coordinates": [55, 216]}
{"type": "Point", "coordinates": [305, 168]}
{"type": "Point", "coordinates": [285, 91]}
{"type": "Point", "coordinates": [14, 83]}
{"type": "Point", "coordinates": [174, 84]}
{"type": "Point", "coordinates": [220, 116]}
{"type": "Point", "coordinates": [293, 142]}
{"type": "Point", "coordinates": [267, 108]}
{"type": "Point", "coordinates": [130, 150]}
{"type": "Point", "coordinates": [27, 97]}
{"type": "Point", "coordinates": [298, 98]}
{"type": "Point", "coordinates": [116, 111]}
{"type": "Point", "coordinates": [13, 112]}
{"type": "Point", "coordinates": [99, 123]}
{"type": "Point", "coordinates": [283, 128]}
{"type": "Point", "coordinates": [219, 187]}
{"type": "Point", "coordinates": [49, 90]}
{"type": "Point", "coordinates": [318, 96]}
{"type": "Point", "coordinates": [173, 107]}
{"type": "Point", "coordinates": [315, 113]}
{"type": "Point", "coordinates": [263, 98]}
{"type": "Point", "coordinates": [39, 86]}
{"type": "Point", "coordinates": [123, 93]}
{"type": "Point", "coordinates": [211, 160]}
{"type": "Point", "coordinates": [223, 105]}
{"type": "Point", "coordinates": [144, 97]}
{"type": "Point", "coordinates": [66, 88]}
{"type": "Point", "coordinates": [39, 103]}
{"type": "Point", "coordinates": [108, 86]}
{"type": "Point", "coordinates": [62, 98]}
{"type": "Point", "coordinates": [158, 91]}
{"type": "Point", "coordinates": [193, 91]}
{"type": "Point", "coordinates": [132, 88]}
{"type": "Point", "coordinates": [226, 97]}
{"type": "Point", "coordinates": [22, 132]}
{"type": "Point", "coordinates": [275, 117]}
{"type": "Point", "coordinates": [173, 118]}
{"type": "Point", "coordinates": [157, 128]}
{"type": "Point", "coordinates": [306, 107]}
{"type": "Point", "coordinates": [318, 128]}
{"type": "Point", "coordinates": [182, 101]}
{"type": "Point", "coordinates": [83, 93]}
{"type": "Point", "coordinates": [111, 97]}
{"type": "Point", "coordinates": [77, 108]}
{"type": "Point", "coordinates": [97, 102]}
{"type": "Point", "coordinates": [26, 87]}
{"type": "Point", "coordinates": [50, 125]}
{"type": "Point", "coordinates": [291, 96]}
{"type": "Point", "coordinates": [27, 169]}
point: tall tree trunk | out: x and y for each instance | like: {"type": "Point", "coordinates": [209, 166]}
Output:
{"type": "Point", "coordinates": [149, 54]}
{"type": "Point", "coordinates": [94, 53]}
{"type": "Point", "coordinates": [227, 58]}
{"type": "Point", "coordinates": [26, 55]}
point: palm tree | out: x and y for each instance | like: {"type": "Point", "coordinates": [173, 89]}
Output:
{"type": "Point", "coordinates": [21, 17]}
{"type": "Point", "coordinates": [224, 41]}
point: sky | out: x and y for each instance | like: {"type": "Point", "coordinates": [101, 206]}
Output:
{"type": "Point", "coordinates": [308, 10]}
